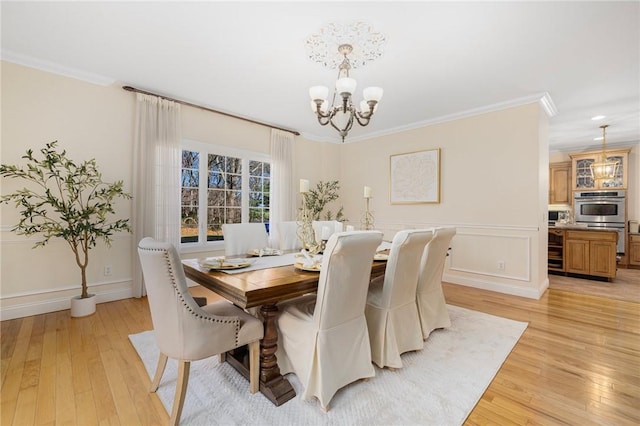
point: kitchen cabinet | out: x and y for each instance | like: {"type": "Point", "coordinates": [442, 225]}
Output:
{"type": "Point", "coordinates": [634, 249]}
{"type": "Point", "coordinates": [581, 171]}
{"type": "Point", "coordinates": [591, 253]}
{"type": "Point", "coordinates": [560, 183]}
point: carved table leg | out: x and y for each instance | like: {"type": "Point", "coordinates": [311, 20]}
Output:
{"type": "Point", "coordinates": [272, 384]}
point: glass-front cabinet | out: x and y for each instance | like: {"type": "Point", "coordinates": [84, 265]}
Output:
{"type": "Point", "coordinates": [581, 166]}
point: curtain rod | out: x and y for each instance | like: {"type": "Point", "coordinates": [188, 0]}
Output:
{"type": "Point", "coordinates": [133, 89]}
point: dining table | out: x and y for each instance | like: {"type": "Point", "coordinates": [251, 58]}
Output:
{"type": "Point", "coordinates": [263, 289]}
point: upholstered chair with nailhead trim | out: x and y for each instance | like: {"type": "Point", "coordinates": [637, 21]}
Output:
{"type": "Point", "coordinates": [183, 330]}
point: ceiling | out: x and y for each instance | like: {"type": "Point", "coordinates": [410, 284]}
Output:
{"type": "Point", "coordinates": [441, 60]}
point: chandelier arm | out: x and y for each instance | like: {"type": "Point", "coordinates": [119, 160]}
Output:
{"type": "Point", "coordinates": [363, 121]}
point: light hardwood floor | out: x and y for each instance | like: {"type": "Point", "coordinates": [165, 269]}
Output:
{"type": "Point", "coordinates": [577, 363]}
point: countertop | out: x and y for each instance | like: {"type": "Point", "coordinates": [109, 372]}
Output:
{"type": "Point", "coordinates": [581, 228]}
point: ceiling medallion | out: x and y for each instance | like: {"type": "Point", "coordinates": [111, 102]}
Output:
{"type": "Point", "coordinates": [367, 44]}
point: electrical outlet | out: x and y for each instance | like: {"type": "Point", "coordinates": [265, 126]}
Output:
{"type": "Point", "coordinates": [107, 270]}
{"type": "Point", "coordinates": [501, 265]}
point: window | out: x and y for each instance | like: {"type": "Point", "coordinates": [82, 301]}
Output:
{"type": "Point", "coordinates": [221, 186]}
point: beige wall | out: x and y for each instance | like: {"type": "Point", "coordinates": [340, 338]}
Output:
{"type": "Point", "coordinates": [498, 218]}
{"type": "Point", "coordinates": [92, 121]}
{"type": "Point", "coordinates": [491, 190]}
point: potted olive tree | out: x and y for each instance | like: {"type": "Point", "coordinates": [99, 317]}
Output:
{"type": "Point", "coordinates": [67, 200]}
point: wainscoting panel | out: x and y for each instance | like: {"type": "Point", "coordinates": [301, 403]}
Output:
{"type": "Point", "coordinates": [502, 256]}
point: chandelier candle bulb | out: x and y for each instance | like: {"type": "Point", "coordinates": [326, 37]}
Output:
{"type": "Point", "coordinates": [304, 185]}
{"type": "Point", "coordinates": [368, 192]}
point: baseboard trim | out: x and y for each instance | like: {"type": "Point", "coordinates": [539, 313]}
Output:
{"type": "Point", "coordinates": [58, 304]}
{"type": "Point", "coordinates": [497, 287]}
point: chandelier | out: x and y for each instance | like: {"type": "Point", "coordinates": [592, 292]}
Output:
{"type": "Point", "coordinates": [604, 169]}
{"type": "Point", "coordinates": [341, 113]}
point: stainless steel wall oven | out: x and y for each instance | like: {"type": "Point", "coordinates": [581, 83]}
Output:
{"type": "Point", "coordinates": [602, 209]}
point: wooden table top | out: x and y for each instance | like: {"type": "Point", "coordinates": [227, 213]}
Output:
{"type": "Point", "coordinates": [263, 286]}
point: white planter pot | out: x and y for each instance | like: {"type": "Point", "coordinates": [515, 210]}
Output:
{"type": "Point", "coordinates": [82, 307]}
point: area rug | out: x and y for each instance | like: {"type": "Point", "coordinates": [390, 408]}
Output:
{"type": "Point", "coordinates": [438, 385]}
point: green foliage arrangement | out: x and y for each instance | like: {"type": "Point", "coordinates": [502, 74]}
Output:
{"type": "Point", "coordinates": [66, 200]}
{"type": "Point", "coordinates": [323, 194]}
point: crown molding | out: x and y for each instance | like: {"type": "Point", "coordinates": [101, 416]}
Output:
{"type": "Point", "coordinates": [52, 67]}
{"type": "Point", "coordinates": [543, 98]}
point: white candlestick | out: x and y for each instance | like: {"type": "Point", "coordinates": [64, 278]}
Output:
{"type": "Point", "coordinates": [304, 185]}
{"type": "Point", "coordinates": [368, 193]}
{"type": "Point", "coordinates": [326, 233]}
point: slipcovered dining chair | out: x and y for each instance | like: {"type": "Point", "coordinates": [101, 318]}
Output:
{"type": "Point", "coordinates": [323, 337]}
{"type": "Point", "coordinates": [391, 311]}
{"type": "Point", "coordinates": [288, 236]}
{"type": "Point", "coordinates": [239, 238]}
{"type": "Point", "coordinates": [432, 307]}
{"type": "Point", "coordinates": [185, 331]}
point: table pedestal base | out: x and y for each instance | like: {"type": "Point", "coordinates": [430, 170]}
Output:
{"type": "Point", "coordinates": [272, 384]}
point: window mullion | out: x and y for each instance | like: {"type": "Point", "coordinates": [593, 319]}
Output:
{"type": "Point", "coordinates": [203, 196]}
{"type": "Point", "coordinates": [245, 190]}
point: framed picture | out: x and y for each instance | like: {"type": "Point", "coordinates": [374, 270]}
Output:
{"type": "Point", "coordinates": [415, 177]}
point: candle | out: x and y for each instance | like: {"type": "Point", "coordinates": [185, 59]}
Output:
{"type": "Point", "coordinates": [304, 185]}
{"type": "Point", "coordinates": [368, 192]}
{"type": "Point", "coordinates": [326, 233]}
{"type": "Point", "coordinates": [350, 228]}
{"type": "Point", "coordinates": [339, 227]}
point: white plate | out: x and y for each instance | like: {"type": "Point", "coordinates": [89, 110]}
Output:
{"type": "Point", "coordinates": [267, 252]}
{"type": "Point", "coordinates": [380, 256]}
{"type": "Point", "coordinates": [306, 268]}
{"type": "Point", "coordinates": [227, 264]}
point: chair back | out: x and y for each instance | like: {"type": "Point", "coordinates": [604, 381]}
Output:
{"type": "Point", "coordinates": [333, 225]}
{"type": "Point", "coordinates": [288, 236]}
{"type": "Point", "coordinates": [175, 315]}
{"type": "Point", "coordinates": [433, 259]}
{"type": "Point", "coordinates": [344, 277]}
{"type": "Point", "coordinates": [403, 267]}
{"type": "Point", "coordinates": [239, 238]}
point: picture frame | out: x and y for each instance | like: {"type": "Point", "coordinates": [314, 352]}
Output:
{"type": "Point", "coordinates": [415, 177]}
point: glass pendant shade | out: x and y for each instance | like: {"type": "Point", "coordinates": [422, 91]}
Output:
{"type": "Point", "coordinates": [346, 85]}
{"type": "Point", "coordinates": [318, 92]}
{"type": "Point", "coordinates": [372, 94]}
{"type": "Point", "coordinates": [604, 169]}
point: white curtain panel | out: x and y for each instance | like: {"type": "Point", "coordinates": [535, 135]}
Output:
{"type": "Point", "coordinates": [156, 175]}
{"type": "Point", "coordinates": [283, 195]}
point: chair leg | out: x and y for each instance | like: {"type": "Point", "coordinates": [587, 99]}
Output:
{"type": "Point", "coordinates": [222, 357]}
{"type": "Point", "coordinates": [254, 366]}
{"type": "Point", "coordinates": [162, 363]}
{"type": "Point", "coordinates": [181, 392]}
